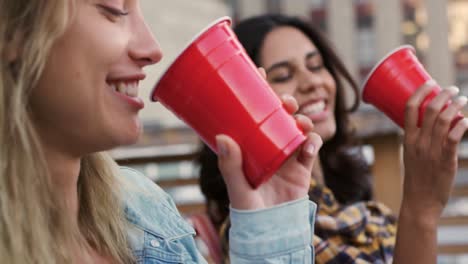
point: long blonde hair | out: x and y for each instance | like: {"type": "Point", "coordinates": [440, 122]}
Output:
{"type": "Point", "coordinates": [33, 226]}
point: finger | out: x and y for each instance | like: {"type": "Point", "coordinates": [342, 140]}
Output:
{"type": "Point", "coordinates": [289, 103]}
{"type": "Point", "coordinates": [310, 149]}
{"type": "Point", "coordinates": [230, 164]}
{"type": "Point", "coordinates": [434, 109]}
{"type": "Point", "coordinates": [445, 119]}
{"type": "Point", "coordinates": [454, 137]}
{"type": "Point", "coordinates": [262, 72]}
{"type": "Point", "coordinates": [412, 107]}
{"type": "Point", "coordinates": [304, 123]}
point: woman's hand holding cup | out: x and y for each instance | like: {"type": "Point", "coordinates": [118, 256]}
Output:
{"type": "Point", "coordinates": [289, 183]}
{"type": "Point", "coordinates": [431, 151]}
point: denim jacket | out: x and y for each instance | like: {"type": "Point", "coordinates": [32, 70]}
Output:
{"type": "Point", "coordinates": [158, 234]}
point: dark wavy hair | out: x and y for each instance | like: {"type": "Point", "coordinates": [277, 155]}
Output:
{"type": "Point", "coordinates": [345, 171]}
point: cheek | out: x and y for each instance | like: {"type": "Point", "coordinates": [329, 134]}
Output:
{"type": "Point", "coordinates": [94, 45]}
{"type": "Point", "coordinates": [52, 90]}
{"type": "Point", "coordinates": [55, 101]}
{"type": "Point", "coordinates": [111, 53]}
{"type": "Point", "coordinates": [281, 89]}
{"type": "Point", "coordinates": [330, 84]}
{"type": "Point", "coordinates": [68, 91]}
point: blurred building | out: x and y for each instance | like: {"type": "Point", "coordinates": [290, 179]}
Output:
{"type": "Point", "coordinates": [365, 30]}
{"type": "Point", "coordinates": [174, 23]}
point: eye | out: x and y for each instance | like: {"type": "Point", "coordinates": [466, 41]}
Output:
{"type": "Point", "coordinates": [113, 11]}
{"type": "Point", "coordinates": [315, 68]}
{"type": "Point", "coordinates": [315, 65]}
{"type": "Point", "coordinates": [280, 78]}
{"type": "Point", "coordinates": [280, 75]}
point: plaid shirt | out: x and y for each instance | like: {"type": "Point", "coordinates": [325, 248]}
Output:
{"type": "Point", "coordinates": [362, 232]}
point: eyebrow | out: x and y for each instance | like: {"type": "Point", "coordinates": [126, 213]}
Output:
{"type": "Point", "coordinates": [286, 63]}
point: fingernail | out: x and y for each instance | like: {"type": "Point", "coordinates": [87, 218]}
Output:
{"type": "Point", "coordinates": [286, 97]}
{"type": "Point", "coordinates": [310, 149]}
{"type": "Point", "coordinates": [222, 147]}
{"type": "Point", "coordinates": [462, 100]}
{"type": "Point", "coordinates": [453, 90]}
{"type": "Point", "coordinates": [430, 82]}
{"type": "Point", "coordinates": [463, 121]}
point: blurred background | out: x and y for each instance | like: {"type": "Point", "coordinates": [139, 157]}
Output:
{"type": "Point", "coordinates": [363, 31]}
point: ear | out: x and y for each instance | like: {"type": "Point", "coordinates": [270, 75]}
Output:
{"type": "Point", "coordinates": [13, 48]}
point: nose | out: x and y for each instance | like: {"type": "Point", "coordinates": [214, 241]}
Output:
{"type": "Point", "coordinates": [144, 48]}
{"type": "Point", "coordinates": [308, 81]}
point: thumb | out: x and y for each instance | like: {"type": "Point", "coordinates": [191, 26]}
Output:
{"type": "Point", "coordinates": [230, 165]}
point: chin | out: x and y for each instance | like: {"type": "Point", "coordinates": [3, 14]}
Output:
{"type": "Point", "coordinates": [326, 131]}
{"type": "Point", "coordinates": [127, 142]}
{"type": "Point", "coordinates": [126, 137]}
{"type": "Point", "coordinates": [129, 139]}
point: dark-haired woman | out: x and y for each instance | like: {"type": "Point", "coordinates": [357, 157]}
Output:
{"type": "Point", "coordinates": [350, 227]}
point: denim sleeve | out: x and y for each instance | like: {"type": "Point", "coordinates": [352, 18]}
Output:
{"type": "Point", "coordinates": [281, 234]}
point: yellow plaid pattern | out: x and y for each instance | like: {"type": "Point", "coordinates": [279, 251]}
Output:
{"type": "Point", "coordinates": [362, 232]}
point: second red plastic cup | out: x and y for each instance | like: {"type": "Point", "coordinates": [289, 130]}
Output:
{"type": "Point", "coordinates": [392, 82]}
{"type": "Point", "coordinates": [214, 87]}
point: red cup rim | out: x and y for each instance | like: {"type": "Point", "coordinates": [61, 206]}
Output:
{"type": "Point", "coordinates": [382, 60]}
{"type": "Point", "coordinates": [197, 36]}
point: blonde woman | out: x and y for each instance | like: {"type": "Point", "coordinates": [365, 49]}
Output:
{"type": "Point", "coordinates": [69, 90]}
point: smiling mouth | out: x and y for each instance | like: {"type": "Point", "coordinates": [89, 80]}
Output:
{"type": "Point", "coordinates": [129, 89]}
{"type": "Point", "coordinates": [314, 108]}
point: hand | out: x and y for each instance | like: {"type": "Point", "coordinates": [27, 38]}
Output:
{"type": "Point", "coordinates": [431, 152]}
{"type": "Point", "coordinates": [289, 183]}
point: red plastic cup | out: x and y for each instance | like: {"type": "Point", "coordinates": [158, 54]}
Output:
{"type": "Point", "coordinates": [392, 82]}
{"type": "Point", "coordinates": [215, 88]}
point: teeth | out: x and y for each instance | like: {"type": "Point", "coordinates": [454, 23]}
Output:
{"type": "Point", "coordinates": [121, 87]}
{"type": "Point", "coordinates": [314, 108]}
{"type": "Point", "coordinates": [132, 90]}
{"type": "Point", "coordinates": [129, 89]}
